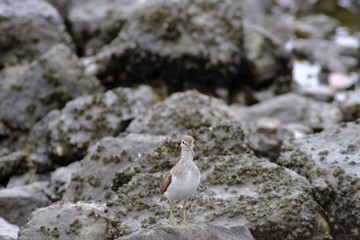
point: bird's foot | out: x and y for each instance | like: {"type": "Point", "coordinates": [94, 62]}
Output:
{"type": "Point", "coordinates": [184, 221]}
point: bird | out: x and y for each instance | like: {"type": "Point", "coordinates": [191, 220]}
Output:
{"type": "Point", "coordinates": [181, 181]}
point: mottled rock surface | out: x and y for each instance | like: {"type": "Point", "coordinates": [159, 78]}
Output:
{"type": "Point", "coordinates": [190, 232]}
{"type": "Point", "coordinates": [179, 112]}
{"type": "Point", "coordinates": [92, 181]}
{"type": "Point", "coordinates": [48, 83]}
{"type": "Point", "coordinates": [28, 29]}
{"type": "Point", "coordinates": [274, 202]}
{"type": "Point", "coordinates": [86, 119]}
{"type": "Point", "coordinates": [25, 199]}
{"type": "Point", "coordinates": [330, 160]}
{"type": "Point", "coordinates": [68, 221]}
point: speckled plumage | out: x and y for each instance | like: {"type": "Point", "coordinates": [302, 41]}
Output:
{"type": "Point", "coordinates": [181, 182]}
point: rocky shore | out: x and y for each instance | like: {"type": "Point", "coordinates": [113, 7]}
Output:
{"type": "Point", "coordinates": [95, 96]}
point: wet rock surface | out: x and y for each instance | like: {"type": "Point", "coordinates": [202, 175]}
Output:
{"type": "Point", "coordinates": [330, 160]}
{"type": "Point", "coordinates": [193, 231]}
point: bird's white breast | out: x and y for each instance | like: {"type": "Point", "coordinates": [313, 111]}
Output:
{"type": "Point", "coordinates": [183, 187]}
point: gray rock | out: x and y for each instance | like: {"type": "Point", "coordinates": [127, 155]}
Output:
{"type": "Point", "coordinates": [8, 231]}
{"type": "Point", "coordinates": [10, 163]}
{"type": "Point", "coordinates": [93, 179]}
{"type": "Point", "coordinates": [19, 202]}
{"type": "Point", "coordinates": [183, 43]}
{"type": "Point", "coordinates": [350, 105]}
{"type": "Point", "coordinates": [292, 108]}
{"type": "Point", "coordinates": [180, 112]}
{"type": "Point", "coordinates": [190, 232]}
{"type": "Point", "coordinates": [316, 26]}
{"type": "Point", "coordinates": [330, 160]}
{"type": "Point", "coordinates": [68, 221]}
{"type": "Point", "coordinates": [236, 190]}
{"type": "Point", "coordinates": [222, 139]}
{"type": "Point", "coordinates": [96, 23]}
{"type": "Point", "coordinates": [61, 178]}
{"type": "Point", "coordinates": [48, 83]}
{"type": "Point", "coordinates": [86, 119]}
{"type": "Point", "coordinates": [29, 28]}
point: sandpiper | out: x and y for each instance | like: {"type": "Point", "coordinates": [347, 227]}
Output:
{"type": "Point", "coordinates": [181, 182]}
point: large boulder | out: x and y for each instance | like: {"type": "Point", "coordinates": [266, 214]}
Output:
{"type": "Point", "coordinates": [236, 190]}
{"type": "Point", "coordinates": [88, 118]}
{"type": "Point", "coordinates": [189, 232]}
{"type": "Point", "coordinates": [330, 160]}
{"type": "Point", "coordinates": [19, 202]}
{"type": "Point", "coordinates": [180, 112]}
{"type": "Point", "coordinates": [48, 83]}
{"type": "Point", "coordinates": [68, 221]}
{"type": "Point", "coordinates": [184, 44]}
{"type": "Point", "coordinates": [28, 29]}
{"type": "Point", "coordinates": [92, 180]}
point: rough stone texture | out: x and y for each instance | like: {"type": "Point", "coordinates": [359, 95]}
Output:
{"type": "Point", "coordinates": [274, 202]}
{"type": "Point", "coordinates": [92, 181]}
{"type": "Point", "coordinates": [96, 23]}
{"type": "Point", "coordinates": [190, 232]}
{"type": "Point", "coordinates": [24, 199]}
{"type": "Point", "coordinates": [10, 163]}
{"type": "Point", "coordinates": [8, 231]}
{"type": "Point", "coordinates": [292, 108]}
{"type": "Point", "coordinates": [48, 83]}
{"type": "Point", "coordinates": [222, 139]}
{"type": "Point", "coordinates": [330, 160]}
{"type": "Point", "coordinates": [184, 44]}
{"type": "Point", "coordinates": [67, 221]}
{"type": "Point", "coordinates": [86, 119]}
{"type": "Point", "coordinates": [28, 29]}
{"type": "Point", "coordinates": [350, 105]}
{"type": "Point", "coordinates": [179, 112]}
{"type": "Point", "coordinates": [61, 178]}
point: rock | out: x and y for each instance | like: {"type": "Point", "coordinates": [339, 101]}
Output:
{"type": "Point", "coordinates": [68, 221]}
{"type": "Point", "coordinates": [350, 105]}
{"type": "Point", "coordinates": [189, 232]}
{"type": "Point", "coordinates": [272, 201]}
{"type": "Point", "coordinates": [86, 119]}
{"type": "Point", "coordinates": [8, 231]}
{"type": "Point", "coordinates": [330, 160]}
{"type": "Point", "coordinates": [185, 44]}
{"type": "Point", "coordinates": [179, 112]}
{"type": "Point", "coordinates": [96, 23]}
{"type": "Point", "coordinates": [48, 83]}
{"type": "Point", "coordinates": [292, 108]}
{"type": "Point", "coordinates": [92, 180]}
{"type": "Point", "coordinates": [38, 143]}
{"type": "Point", "coordinates": [316, 26]}
{"type": "Point", "coordinates": [29, 28]}
{"type": "Point", "coordinates": [222, 139]}
{"type": "Point", "coordinates": [61, 178]}
{"type": "Point", "coordinates": [326, 53]}
{"type": "Point", "coordinates": [10, 163]}
{"type": "Point", "coordinates": [24, 199]}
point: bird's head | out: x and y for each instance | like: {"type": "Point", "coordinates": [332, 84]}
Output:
{"type": "Point", "coordinates": [187, 143]}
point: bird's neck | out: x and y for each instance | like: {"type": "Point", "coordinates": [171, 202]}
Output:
{"type": "Point", "coordinates": [186, 156]}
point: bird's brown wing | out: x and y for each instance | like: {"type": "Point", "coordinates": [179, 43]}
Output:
{"type": "Point", "coordinates": [165, 182]}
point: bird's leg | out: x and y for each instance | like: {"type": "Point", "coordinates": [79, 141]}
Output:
{"type": "Point", "coordinates": [184, 221]}
{"type": "Point", "coordinates": [171, 214]}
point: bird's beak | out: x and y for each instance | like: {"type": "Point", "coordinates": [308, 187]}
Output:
{"type": "Point", "coordinates": [192, 152]}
